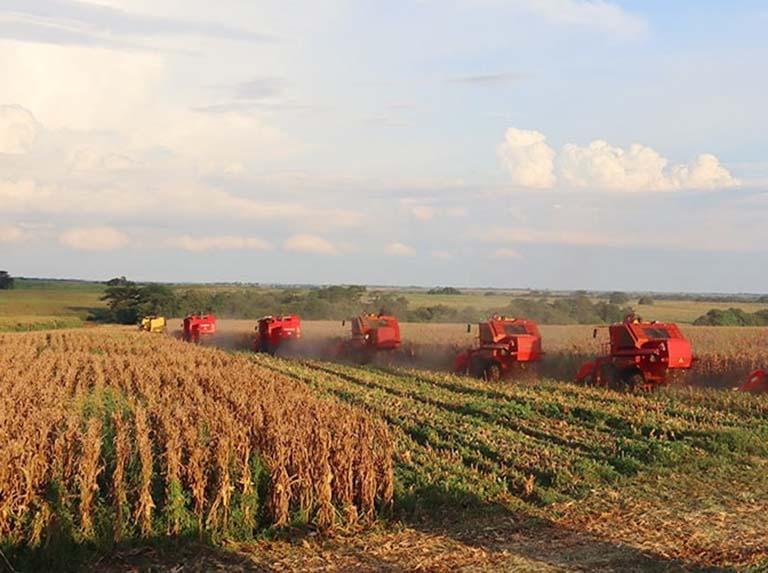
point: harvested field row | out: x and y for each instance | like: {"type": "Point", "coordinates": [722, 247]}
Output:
{"type": "Point", "coordinates": [110, 436]}
{"type": "Point", "coordinates": [647, 472]}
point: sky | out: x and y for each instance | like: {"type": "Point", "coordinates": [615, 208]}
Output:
{"type": "Point", "coordinates": [562, 144]}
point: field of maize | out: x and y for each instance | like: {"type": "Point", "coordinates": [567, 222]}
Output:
{"type": "Point", "coordinates": [111, 438]}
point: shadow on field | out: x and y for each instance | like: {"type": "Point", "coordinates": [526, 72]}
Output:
{"type": "Point", "coordinates": [499, 531]}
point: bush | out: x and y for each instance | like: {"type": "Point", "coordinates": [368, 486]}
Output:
{"type": "Point", "coordinates": [646, 301]}
{"type": "Point", "coordinates": [732, 317]}
{"type": "Point", "coordinates": [444, 290]}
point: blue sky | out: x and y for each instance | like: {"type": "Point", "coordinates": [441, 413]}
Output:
{"type": "Point", "coordinates": [515, 143]}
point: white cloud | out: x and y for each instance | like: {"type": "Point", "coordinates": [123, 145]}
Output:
{"type": "Point", "coordinates": [550, 236]}
{"type": "Point", "coordinates": [94, 238]}
{"type": "Point", "coordinates": [399, 250]}
{"type": "Point", "coordinates": [193, 201]}
{"type": "Point", "coordinates": [528, 158]}
{"type": "Point", "coordinates": [598, 14]}
{"type": "Point", "coordinates": [442, 255]}
{"type": "Point", "coordinates": [18, 129]}
{"type": "Point", "coordinates": [424, 210]}
{"type": "Point", "coordinates": [600, 166]}
{"type": "Point", "coordinates": [88, 158]}
{"type": "Point", "coordinates": [10, 234]}
{"type": "Point", "coordinates": [506, 253]}
{"type": "Point", "coordinates": [220, 243]}
{"type": "Point", "coordinates": [310, 244]}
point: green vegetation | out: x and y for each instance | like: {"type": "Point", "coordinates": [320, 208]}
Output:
{"type": "Point", "coordinates": [540, 444]}
{"type": "Point", "coordinates": [645, 301]}
{"type": "Point", "coordinates": [732, 317]}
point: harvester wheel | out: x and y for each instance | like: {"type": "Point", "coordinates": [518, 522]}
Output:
{"type": "Point", "coordinates": [609, 377]}
{"type": "Point", "coordinates": [492, 372]}
{"type": "Point", "coordinates": [477, 367]}
{"type": "Point", "coordinates": [635, 382]}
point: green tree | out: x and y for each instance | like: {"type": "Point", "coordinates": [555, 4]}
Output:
{"type": "Point", "coordinates": [646, 301]}
{"type": "Point", "coordinates": [123, 298]}
{"type": "Point", "coordinates": [6, 281]}
{"type": "Point", "coordinates": [618, 298]}
{"type": "Point", "coordinates": [157, 299]}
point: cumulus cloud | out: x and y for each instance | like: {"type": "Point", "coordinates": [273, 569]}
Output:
{"type": "Point", "coordinates": [528, 158]}
{"type": "Point", "coordinates": [506, 253]}
{"type": "Point", "coordinates": [18, 129]}
{"type": "Point", "coordinates": [399, 250]}
{"type": "Point", "coordinates": [599, 166]}
{"type": "Point", "coordinates": [10, 234]}
{"type": "Point", "coordinates": [639, 168]}
{"type": "Point", "coordinates": [310, 244]}
{"type": "Point", "coordinates": [220, 243]}
{"type": "Point", "coordinates": [94, 238]}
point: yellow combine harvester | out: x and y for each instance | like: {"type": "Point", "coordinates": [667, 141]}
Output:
{"type": "Point", "coordinates": [152, 324]}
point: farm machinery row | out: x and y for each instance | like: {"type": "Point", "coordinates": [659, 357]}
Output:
{"type": "Point", "coordinates": [638, 355]}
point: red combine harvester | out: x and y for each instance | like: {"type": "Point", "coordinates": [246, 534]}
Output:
{"type": "Point", "coordinates": [371, 333]}
{"type": "Point", "coordinates": [504, 345]}
{"type": "Point", "coordinates": [757, 383]}
{"type": "Point", "coordinates": [274, 331]}
{"type": "Point", "coordinates": [640, 356]}
{"type": "Point", "coordinates": [196, 325]}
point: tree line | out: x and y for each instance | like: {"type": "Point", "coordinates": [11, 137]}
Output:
{"type": "Point", "coordinates": [127, 302]}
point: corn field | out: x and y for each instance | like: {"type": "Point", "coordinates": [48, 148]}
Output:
{"type": "Point", "coordinates": [109, 436]}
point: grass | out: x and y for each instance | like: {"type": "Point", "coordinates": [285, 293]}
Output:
{"type": "Point", "coordinates": [50, 299]}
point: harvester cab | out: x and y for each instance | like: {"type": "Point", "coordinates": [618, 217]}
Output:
{"type": "Point", "coordinates": [504, 345]}
{"type": "Point", "coordinates": [371, 333]}
{"type": "Point", "coordinates": [154, 324]}
{"type": "Point", "coordinates": [275, 331]}
{"type": "Point", "coordinates": [638, 355]}
{"type": "Point", "coordinates": [197, 325]}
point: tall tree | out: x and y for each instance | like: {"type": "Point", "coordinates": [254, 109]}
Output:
{"type": "Point", "coordinates": [6, 281]}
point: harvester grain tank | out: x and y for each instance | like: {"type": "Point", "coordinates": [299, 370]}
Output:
{"type": "Point", "coordinates": [154, 324]}
{"type": "Point", "coordinates": [504, 345]}
{"type": "Point", "coordinates": [197, 325]}
{"type": "Point", "coordinates": [276, 331]}
{"type": "Point", "coordinates": [370, 334]}
{"type": "Point", "coordinates": [639, 356]}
